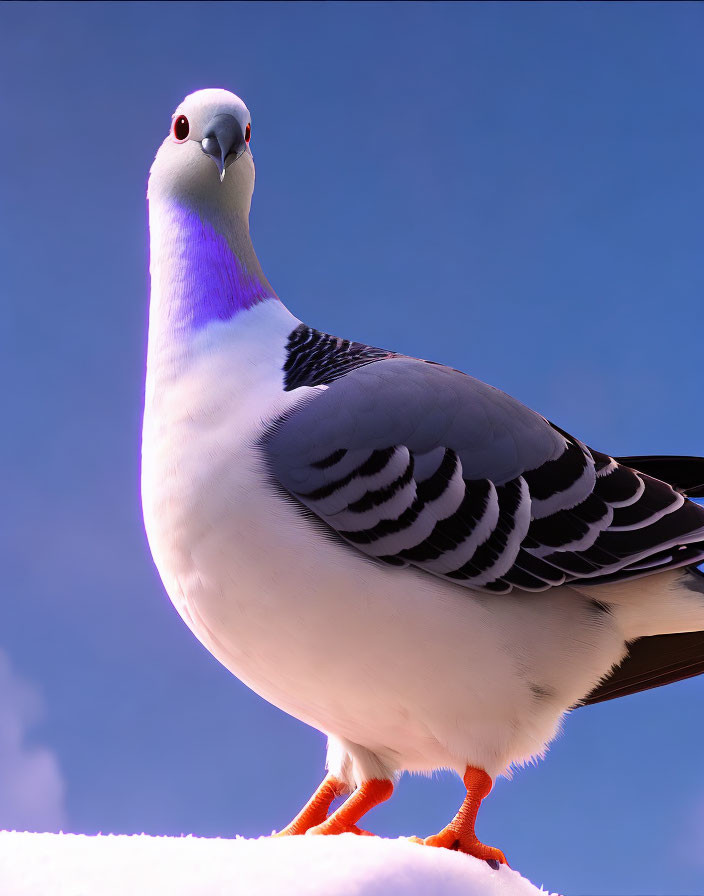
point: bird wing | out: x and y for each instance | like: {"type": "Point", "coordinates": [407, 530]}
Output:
{"type": "Point", "coordinates": [413, 463]}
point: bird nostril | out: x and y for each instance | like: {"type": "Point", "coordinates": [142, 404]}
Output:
{"type": "Point", "coordinates": [210, 146]}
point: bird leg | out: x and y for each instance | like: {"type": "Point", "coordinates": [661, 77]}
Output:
{"type": "Point", "coordinates": [316, 809]}
{"type": "Point", "coordinates": [365, 797]}
{"type": "Point", "coordinates": [459, 834]}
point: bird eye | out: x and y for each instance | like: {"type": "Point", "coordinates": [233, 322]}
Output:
{"type": "Point", "coordinates": [180, 128]}
{"type": "Point", "coordinates": [247, 133]}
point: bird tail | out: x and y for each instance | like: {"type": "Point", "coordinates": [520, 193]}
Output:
{"type": "Point", "coordinates": [662, 615]}
{"type": "Point", "coordinates": [672, 604]}
{"type": "Point", "coordinates": [685, 474]}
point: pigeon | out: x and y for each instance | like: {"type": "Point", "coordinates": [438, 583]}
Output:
{"type": "Point", "coordinates": [393, 552]}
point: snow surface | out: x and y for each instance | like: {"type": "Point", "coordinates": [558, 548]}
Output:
{"type": "Point", "coordinates": [78, 865]}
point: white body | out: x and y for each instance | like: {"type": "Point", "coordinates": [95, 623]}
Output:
{"type": "Point", "coordinates": [401, 670]}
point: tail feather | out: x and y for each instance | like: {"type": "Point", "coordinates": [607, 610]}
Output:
{"type": "Point", "coordinates": [650, 663]}
{"type": "Point", "coordinates": [686, 474]}
{"type": "Point", "coordinates": [656, 660]}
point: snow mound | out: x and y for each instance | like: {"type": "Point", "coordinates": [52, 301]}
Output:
{"type": "Point", "coordinates": [71, 864]}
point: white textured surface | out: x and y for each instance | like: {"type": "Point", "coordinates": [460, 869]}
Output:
{"type": "Point", "coordinates": [77, 865]}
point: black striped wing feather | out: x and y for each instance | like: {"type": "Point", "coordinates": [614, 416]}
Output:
{"type": "Point", "coordinates": [415, 464]}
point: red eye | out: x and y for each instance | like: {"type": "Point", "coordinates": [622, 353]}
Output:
{"type": "Point", "coordinates": [180, 128]}
{"type": "Point", "coordinates": [247, 133]}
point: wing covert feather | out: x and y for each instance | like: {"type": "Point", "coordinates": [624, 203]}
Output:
{"type": "Point", "coordinates": [414, 463]}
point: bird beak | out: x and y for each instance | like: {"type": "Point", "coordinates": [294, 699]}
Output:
{"type": "Point", "coordinates": [223, 141]}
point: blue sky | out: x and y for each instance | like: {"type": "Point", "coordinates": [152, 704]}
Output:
{"type": "Point", "coordinates": [514, 190]}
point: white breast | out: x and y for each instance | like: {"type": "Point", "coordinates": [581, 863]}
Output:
{"type": "Point", "coordinates": [208, 398]}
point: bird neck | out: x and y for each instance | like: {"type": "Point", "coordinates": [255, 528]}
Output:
{"type": "Point", "coordinates": [200, 272]}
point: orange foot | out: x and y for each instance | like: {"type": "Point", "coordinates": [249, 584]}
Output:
{"type": "Point", "coordinates": [316, 809]}
{"type": "Point", "coordinates": [459, 834]}
{"type": "Point", "coordinates": [471, 845]}
{"type": "Point", "coordinates": [344, 821]}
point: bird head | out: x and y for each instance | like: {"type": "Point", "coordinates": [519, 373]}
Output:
{"type": "Point", "coordinates": [205, 159]}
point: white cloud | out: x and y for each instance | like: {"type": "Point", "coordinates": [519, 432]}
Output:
{"type": "Point", "coordinates": [32, 787]}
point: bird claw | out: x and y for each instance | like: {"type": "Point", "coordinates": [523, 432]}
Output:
{"type": "Point", "coordinates": [471, 846]}
{"type": "Point", "coordinates": [326, 829]}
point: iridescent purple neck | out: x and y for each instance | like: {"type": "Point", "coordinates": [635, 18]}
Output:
{"type": "Point", "coordinates": [202, 278]}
